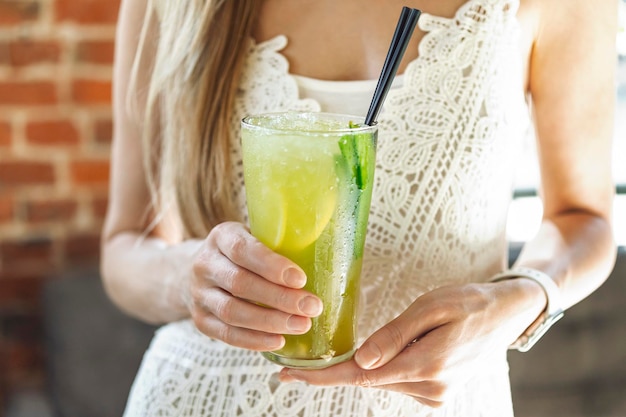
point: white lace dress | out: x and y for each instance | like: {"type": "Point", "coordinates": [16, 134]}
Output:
{"type": "Point", "coordinates": [444, 175]}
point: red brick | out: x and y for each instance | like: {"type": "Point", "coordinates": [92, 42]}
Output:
{"type": "Point", "coordinates": [90, 172]}
{"type": "Point", "coordinates": [5, 54]}
{"type": "Point", "coordinates": [27, 256]}
{"type": "Point", "coordinates": [14, 12]}
{"type": "Point", "coordinates": [5, 134]}
{"type": "Point", "coordinates": [103, 131]}
{"type": "Point", "coordinates": [15, 173]}
{"type": "Point", "coordinates": [45, 211]}
{"type": "Point", "coordinates": [20, 292]}
{"type": "Point", "coordinates": [96, 52]}
{"type": "Point", "coordinates": [91, 92]}
{"type": "Point", "coordinates": [28, 52]}
{"type": "Point", "coordinates": [7, 208]}
{"type": "Point", "coordinates": [82, 249]}
{"type": "Point", "coordinates": [57, 132]}
{"type": "Point", "coordinates": [28, 93]}
{"type": "Point", "coordinates": [87, 11]}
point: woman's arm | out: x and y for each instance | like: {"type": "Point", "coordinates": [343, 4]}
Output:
{"type": "Point", "coordinates": [573, 93]}
{"type": "Point", "coordinates": [139, 273]}
{"type": "Point", "coordinates": [452, 333]}
{"type": "Point", "coordinates": [218, 281]}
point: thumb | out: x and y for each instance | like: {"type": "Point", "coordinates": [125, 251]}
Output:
{"type": "Point", "coordinates": [422, 316]}
{"type": "Point", "coordinates": [384, 345]}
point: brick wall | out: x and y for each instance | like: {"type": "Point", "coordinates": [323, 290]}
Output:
{"type": "Point", "coordinates": [55, 132]}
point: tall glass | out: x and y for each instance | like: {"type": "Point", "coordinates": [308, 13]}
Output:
{"type": "Point", "coordinates": [309, 179]}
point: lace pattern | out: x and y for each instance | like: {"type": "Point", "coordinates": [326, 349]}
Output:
{"type": "Point", "coordinates": [444, 168]}
{"type": "Point", "coordinates": [203, 377]}
{"type": "Point", "coordinates": [443, 185]}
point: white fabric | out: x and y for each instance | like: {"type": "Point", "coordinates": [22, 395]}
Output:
{"type": "Point", "coordinates": [342, 97]}
{"type": "Point", "coordinates": [443, 185]}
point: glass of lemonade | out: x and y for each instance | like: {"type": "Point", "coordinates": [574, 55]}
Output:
{"type": "Point", "coordinates": [308, 179]}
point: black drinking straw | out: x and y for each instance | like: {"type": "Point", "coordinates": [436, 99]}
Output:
{"type": "Point", "coordinates": [401, 36]}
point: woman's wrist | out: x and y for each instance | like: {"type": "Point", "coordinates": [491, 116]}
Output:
{"type": "Point", "coordinates": [178, 288]}
{"type": "Point", "coordinates": [540, 298]}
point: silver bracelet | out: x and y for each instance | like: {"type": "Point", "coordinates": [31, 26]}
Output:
{"type": "Point", "coordinates": [552, 313]}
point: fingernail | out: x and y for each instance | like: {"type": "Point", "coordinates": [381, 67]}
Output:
{"type": "Point", "coordinates": [367, 355]}
{"type": "Point", "coordinates": [310, 306]}
{"type": "Point", "coordinates": [298, 324]}
{"type": "Point", "coordinates": [294, 278]}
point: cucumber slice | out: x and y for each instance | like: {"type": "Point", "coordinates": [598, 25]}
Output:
{"type": "Point", "coordinates": [356, 170]}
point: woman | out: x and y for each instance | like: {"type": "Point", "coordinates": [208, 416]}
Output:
{"type": "Point", "coordinates": [435, 324]}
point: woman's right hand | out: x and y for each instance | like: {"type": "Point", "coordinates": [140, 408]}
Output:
{"type": "Point", "coordinates": [246, 295]}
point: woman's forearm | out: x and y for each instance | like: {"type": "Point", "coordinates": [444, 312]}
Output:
{"type": "Point", "coordinates": [147, 277]}
{"type": "Point", "coordinates": [576, 249]}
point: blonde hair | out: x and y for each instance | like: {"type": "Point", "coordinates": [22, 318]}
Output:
{"type": "Point", "coordinates": [188, 114]}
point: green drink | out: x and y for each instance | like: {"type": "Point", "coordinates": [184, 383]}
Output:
{"type": "Point", "coordinates": [309, 179]}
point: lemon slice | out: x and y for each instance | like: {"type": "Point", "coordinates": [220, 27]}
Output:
{"type": "Point", "coordinates": [287, 223]}
{"type": "Point", "coordinates": [268, 219]}
{"type": "Point", "coordinates": [307, 218]}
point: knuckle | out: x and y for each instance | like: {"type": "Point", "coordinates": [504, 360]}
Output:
{"type": "Point", "coordinates": [198, 302]}
{"type": "Point", "coordinates": [394, 334]}
{"type": "Point", "coordinates": [229, 278]}
{"type": "Point", "coordinates": [221, 229]}
{"type": "Point", "coordinates": [225, 310]}
{"type": "Point", "coordinates": [362, 379]}
{"type": "Point", "coordinates": [229, 238]}
{"type": "Point", "coordinates": [225, 334]}
{"type": "Point", "coordinates": [238, 285]}
{"type": "Point", "coordinates": [237, 247]}
{"type": "Point", "coordinates": [440, 312]}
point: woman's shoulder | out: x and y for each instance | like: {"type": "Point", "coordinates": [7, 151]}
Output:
{"type": "Point", "coordinates": [555, 16]}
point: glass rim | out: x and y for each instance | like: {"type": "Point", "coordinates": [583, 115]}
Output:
{"type": "Point", "coordinates": [246, 122]}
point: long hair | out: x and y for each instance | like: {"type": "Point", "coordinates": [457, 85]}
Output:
{"type": "Point", "coordinates": [187, 121]}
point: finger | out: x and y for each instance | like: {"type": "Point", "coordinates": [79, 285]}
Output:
{"type": "Point", "coordinates": [237, 244]}
{"type": "Point", "coordinates": [346, 373]}
{"type": "Point", "coordinates": [427, 392]}
{"type": "Point", "coordinates": [411, 365]}
{"type": "Point", "coordinates": [247, 285]}
{"type": "Point", "coordinates": [388, 341]}
{"type": "Point", "coordinates": [240, 313]}
{"type": "Point", "coordinates": [336, 375]}
{"type": "Point", "coordinates": [236, 336]}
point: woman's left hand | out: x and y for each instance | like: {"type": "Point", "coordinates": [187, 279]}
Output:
{"type": "Point", "coordinates": [443, 339]}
